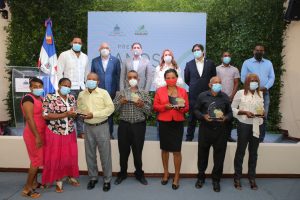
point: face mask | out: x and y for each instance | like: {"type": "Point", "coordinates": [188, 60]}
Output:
{"type": "Point", "coordinates": [76, 47]}
{"type": "Point", "coordinates": [136, 52]}
{"type": "Point", "coordinates": [258, 56]}
{"type": "Point", "coordinates": [226, 60]}
{"type": "Point", "coordinates": [38, 92]}
{"type": "Point", "coordinates": [133, 82]}
{"type": "Point", "coordinates": [65, 90]}
{"type": "Point", "coordinates": [171, 82]}
{"type": "Point", "coordinates": [253, 85]}
{"type": "Point", "coordinates": [197, 54]}
{"type": "Point", "coordinates": [90, 84]}
{"type": "Point", "coordinates": [104, 52]}
{"type": "Point", "coordinates": [167, 59]}
{"type": "Point", "coordinates": [217, 87]}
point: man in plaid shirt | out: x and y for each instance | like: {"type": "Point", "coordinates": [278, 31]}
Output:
{"type": "Point", "coordinates": [134, 105]}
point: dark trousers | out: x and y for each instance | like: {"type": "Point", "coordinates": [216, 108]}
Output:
{"type": "Point", "coordinates": [245, 137]}
{"type": "Point", "coordinates": [229, 128]}
{"type": "Point", "coordinates": [131, 136]}
{"type": "Point", "coordinates": [111, 124]}
{"type": "Point", "coordinates": [217, 138]}
{"type": "Point", "coordinates": [192, 122]}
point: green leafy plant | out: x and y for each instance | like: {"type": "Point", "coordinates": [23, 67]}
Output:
{"type": "Point", "coordinates": [232, 25]}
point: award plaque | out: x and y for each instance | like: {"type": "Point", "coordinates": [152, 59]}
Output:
{"type": "Point", "coordinates": [131, 96]}
{"type": "Point", "coordinates": [177, 102]}
{"type": "Point", "coordinates": [259, 111]}
{"type": "Point", "coordinates": [214, 112]}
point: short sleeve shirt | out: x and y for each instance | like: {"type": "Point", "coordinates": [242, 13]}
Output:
{"type": "Point", "coordinates": [227, 75]}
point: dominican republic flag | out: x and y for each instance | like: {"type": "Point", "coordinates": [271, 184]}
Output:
{"type": "Point", "coordinates": [48, 60]}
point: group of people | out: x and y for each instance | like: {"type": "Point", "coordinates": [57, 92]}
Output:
{"type": "Point", "coordinates": [89, 97]}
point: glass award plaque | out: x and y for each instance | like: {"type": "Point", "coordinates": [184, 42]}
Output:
{"type": "Point", "coordinates": [177, 102]}
{"type": "Point", "coordinates": [214, 112]}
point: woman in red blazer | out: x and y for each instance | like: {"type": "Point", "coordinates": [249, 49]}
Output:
{"type": "Point", "coordinates": [171, 102]}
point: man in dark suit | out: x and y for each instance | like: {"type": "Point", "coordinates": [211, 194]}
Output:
{"type": "Point", "coordinates": [197, 74]}
{"type": "Point", "coordinates": [108, 69]}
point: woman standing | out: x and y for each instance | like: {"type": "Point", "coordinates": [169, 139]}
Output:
{"type": "Point", "coordinates": [247, 107]}
{"type": "Point", "coordinates": [171, 102]}
{"type": "Point", "coordinates": [167, 61]}
{"type": "Point", "coordinates": [33, 134]}
{"type": "Point", "coordinates": [60, 150]}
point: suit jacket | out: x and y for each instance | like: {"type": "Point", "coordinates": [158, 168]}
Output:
{"type": "Point", "coordinates": [196, 83]}
{"type": "Point", "coordinates": [161, 98]}
{"type": "Point", "coordinates": [110, 79]}
{"type": "Point", "coordinates": [145, 72]}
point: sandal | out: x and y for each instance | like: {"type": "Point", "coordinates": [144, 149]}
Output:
{"type": "Point", "coordinates": [31, 194]}
{"type": "Point", "coordinates": [39, 186]}
{"type": "Point", "coordinates": [59, 187]}
{"type": "Point", "coordinates": [73, 181]}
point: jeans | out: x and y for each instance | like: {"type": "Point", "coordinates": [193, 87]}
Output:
{"type": "Point", "coordinates": [266, 96]}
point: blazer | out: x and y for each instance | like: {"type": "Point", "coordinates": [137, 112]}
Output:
{"type": "Point", "coordinates": [196, 83]}
{"type": "Point", "coordinates": [145, 72]}
{"type": "Point", "coordinates": [109, 79]}
{"type": "Point", "coordinates": [161, 99]}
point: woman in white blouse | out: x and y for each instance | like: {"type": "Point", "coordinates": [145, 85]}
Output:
{"type": "Point", "coordinates": [167, 62]}
{"type": "Point", "coordinates": [247, 107]}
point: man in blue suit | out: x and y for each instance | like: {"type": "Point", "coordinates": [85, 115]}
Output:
{"type": "Point", "coordinates": [197, 74]}
{"type": "Point", "coordinates": [108, 69]}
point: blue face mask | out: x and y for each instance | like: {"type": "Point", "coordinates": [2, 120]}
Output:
{"type": "Point", "coordinates": [253, 85]}
{"type": "Point", "coordinates": [226, 60]}
{"type": "Point", "coordinates": [65, 90]}
{"type": "Point", "coordinates": [90, 84]}
{"type": "Point", "coordinates": [76, 47]}
{"type": "Point", "coordinates": [217, 87]}
{"type": "Point", "coordinates": [198, 54]}
{"type": "Point", "coordinates": [38, 92]}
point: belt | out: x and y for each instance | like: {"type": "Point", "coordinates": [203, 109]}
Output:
{"type": "Point", "coordinates": [97, 124]}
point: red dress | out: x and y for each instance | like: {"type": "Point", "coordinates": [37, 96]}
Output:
{"type": "Point", "coordinates": [35, 154]}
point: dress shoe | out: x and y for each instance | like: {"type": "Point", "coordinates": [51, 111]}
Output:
{"type": "Point", "coordinates": [237, 184]}
{"type": "Point", "coordinates": [175, 186]}
{"type": "Point", "coordinates": [106, 187]}
{"type": "Point", "coordinates": [112, 137]}
{"type": "Point", "coordinates": [216, 186]}
{"type": "Point", "coordinates": [165, 182]}
{"type": "Point", "coordinates": [119, 179]}
{"type": "Point", "coordinates": [142, 180]}
{"type": "Point", "coordinates": [230, 139]}
{"type": "Point", "coordinates": [253, 184]}
{"type": "Point", "coordinates": [199, 184]}
{"type": "Point", "coordinates": [188, 139]}
{"type": "Point", "coordinates": [91, 184]}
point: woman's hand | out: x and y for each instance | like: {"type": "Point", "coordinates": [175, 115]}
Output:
{"type": "Point", "coordinates": [168, 106]}
{"type": "Point", "coordinates": [249, 114]}
{"type": "Point", "coordinates": [38, 142]}
{"type": "Point", "coordinates": [71, 114]}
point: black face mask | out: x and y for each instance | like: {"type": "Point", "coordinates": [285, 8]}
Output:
{"type": "Point", "coordinates": [258, 56]}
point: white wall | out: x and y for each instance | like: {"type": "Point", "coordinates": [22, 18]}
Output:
{"type": "Point", "coordinates": [290, 101]}
{"type": "Point", "coordinates": [3, 81]}
{"type": "Point", "coordinates": [272, 158]}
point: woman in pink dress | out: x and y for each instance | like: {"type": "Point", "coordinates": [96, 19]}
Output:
{"type": "Point", "coordinates": [60, 149]}
{"type": "Point", "coordinates": [33, 134]}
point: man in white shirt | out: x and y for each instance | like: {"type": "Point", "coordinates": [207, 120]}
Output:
{"type": "Point", "coordinates": [73, 64]}
{"type": "Point", "coordinates": [197, 74]}
{"type": "Point", "coordinates": [141, 65]}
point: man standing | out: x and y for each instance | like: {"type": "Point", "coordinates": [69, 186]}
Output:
{"type": "Point", "coordinates": [134, 105]}
{"type": "Point", "coordinates": [139, 64]}
{"type": "Point", "coordinates": [213, 109]}
{"type": "Point", "coordinates": [197, 74]}
{"type": "Point", "coordinates": [95, 105]}
{"type": "Point", "coordinates": [230, 81]}
{"type": "Point", "coordinates": [264, 69]}
{"type": "Point", "coordinates": [108, 69]}
{"type": "Point", "coordinates": [73, 64]}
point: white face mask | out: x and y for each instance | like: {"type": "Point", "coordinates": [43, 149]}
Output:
{"type": "Point", "coordinates": [136, 52]}
{"type": "Point", "coordinates": [104, 52]}
{"type": "Point", "coordinates": [132, 82]}
{"type": "Point", "coordinates": [167, 59]}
